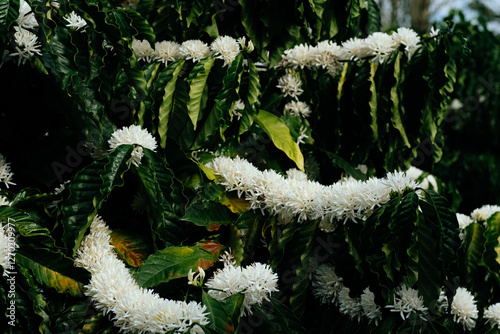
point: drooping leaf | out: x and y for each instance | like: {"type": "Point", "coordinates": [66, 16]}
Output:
{"type": "Point", "coordinates": [169, 263]}
{"type": "Point", "coordinates": [219, 320]}
{"type": "Point", "coordinates": [279, 133]}
{"type": "Point", "coordinates": [396, 118]}
{"type": "Point", "coordinates": [53, 270]}
{"type": "Point", "coordinates": [197, 81]}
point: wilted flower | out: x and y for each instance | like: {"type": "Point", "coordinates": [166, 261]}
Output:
{"type": "Point", "coordinates": [4, 201]}
{"type": "Point", "coordinates": [198, 279]}
{"type": "Point", "coordinates": [464, 309]}
{"type": "Point", "coordinates": [194, 49]}
{"type": "Point", "coordinates": [225, 48]}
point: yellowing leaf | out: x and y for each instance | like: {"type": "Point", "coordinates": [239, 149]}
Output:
{"type": "Point", "coordinates": [131, 248]}
{"type": "Point", "coordinates": [235, 204]}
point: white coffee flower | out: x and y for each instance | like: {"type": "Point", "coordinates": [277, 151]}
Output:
{"type": "Point", "coordinates": [142, 50]}
{"type": "Point", "coordinates": [297, 108]}
{"type": "Point", "coordinates": [225, 48]}
{"type": "Point", "coordinates": [244, 46]}
{"type": "Point", "coordinates": [380, 46]}
{"type": "Point", "coordinates": [409, 38]}
{"type": "Point", "coordinates": [112, 289]}
{"type": "Point", "coordinates": [492, 314]}
{"type": "Point", "coordinates": [27, 45]}
{"type": "Point", "coordinates": [75, 21]}
{"type": "Point", "coordinates": [370, 310]}
{"type": "Point", "coordinates": [290, 85]}
{"type": "Point", "coordinates": [5, 172]}
{"type": "Point", "coordinates": [299, 56]}
{"type": "Point", "coordinates": [194, 49]}
{"type": "Point", "coordinates": [355, 49]}
{"type": "Point", "coordinates": [407, 301]}
{"type": "Point", "coordinates": [433, 32]}
{"type": "Point", "coordinates": [166, 51]}
{"type": "Point", "coordinates": [348, 305]}
{"type": "Point", "coordinates": [483, 213]}
{"type": "Point", "coordinates": [26, 18]}
{"type": "Point", "coordinates": [464, 309]}
{"type": "Point", "coordinates": [257, 281]}
{"type": "Point", "coordinates": [237, 108]}
{"type": "Point", "coordinates": [133, 135]}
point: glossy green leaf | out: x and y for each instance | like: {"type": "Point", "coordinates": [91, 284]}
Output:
{"type": "Point", "coordinates": [474, 239]}
{"type": "Point", "coordinates": [53, 270]}
{"type": "Point", "coordinates": [169, 263]}
{"type": "Point", "coordinates": [373, 101]}
{"type": "Point", "coordinates": [277, 318]}
{"type": "Point", "coordinates": [165, 110]}
{"type": "Point", "coordinates": [220, 320]}
{"type": "Point", "coordinates": [209, 214]}
{"type": "Point", "coordinates": [396, 119]}
{"type": "Point", "coordinates": [491, 253]}
{"type": "Point", "coordinates": [197, 81]}
{"type": "Point", "coordinates": [279, 133]}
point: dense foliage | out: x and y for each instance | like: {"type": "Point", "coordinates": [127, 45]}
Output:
{"type": "Point", "coordinates": [297, 208]}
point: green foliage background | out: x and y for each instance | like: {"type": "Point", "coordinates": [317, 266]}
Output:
{"type": "Point", "coordinates": [69, 100]}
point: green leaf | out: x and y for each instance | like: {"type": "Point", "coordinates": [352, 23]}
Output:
{"type": "Point", "coordinates": [129, 246]}
{"type": "Point", "coordinates": [373, 101]}
{"type": "Point", "coordinates": [395, 92]}
{"type": "Point", "coordinates": [197, 81]}
{"type": "Point", "coordinates": [9, 12]}
{"type": "Point", "coordinates": [277, 318]}
{"type": "Point", "coordinates": [53, 270]}
{"type": "Point", "coordinates": [220, 320]}
{"type": "Point", "coordinates": [88, 191]}
{"type": "Point", "coordinates": [165, 110]}
{"type": "Point", "coordinates": [491, 253]}
{"type": "Point", "coordinates": [169, 263]}
{"type": "Point", "coordinates": [474, 242]}
{"type": "Point", "coordinates": [279, 133]}
{"type": "Point", "coordinates": [208, 214]}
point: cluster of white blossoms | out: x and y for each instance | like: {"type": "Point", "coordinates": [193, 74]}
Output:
{"type": "Point", "coordinates": [75, 22]}
{"type": "Point", "coordinates": [291, 85]}
{"type": "Point", "coordinates": [326, 54]}
{"type": "Point", "coordinates": [5, 172]}
{"type": "Point", "coordinates": [329, 288]}
{"type": "Point", "coordinates": [492, 314]}
{"type": "Point", "coordinates": [223, 47]}
{"type": "Point", "coordinates": [256, 281]}
{"type": "Point", "coordinates": [26, 41]}
{"type": "Point", "coordinates": [307, 200]}
{"type": "Point", "coordinates": [407, 301]}
{"type": "Point", "coordinates": [479, 215]}
{"type": "Point", "coordinates": [464, 309]}
{"type": "Point", "coordinates": [133, 135]}
{"type": "Point", "coordinates": [428, 182]}
{"type": "Point", "coordinates": [4, 247]}
{"type": "Point", "coordinates": [113, 290]}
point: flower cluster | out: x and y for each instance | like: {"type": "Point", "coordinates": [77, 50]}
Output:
{"type": "Point", "coordinates": [26, 42]}
{"type": "Point", "coordinates": [377, 47]}
{"type": "Point", "coordinates": [76, 22]}
{"type": "Point", "coordinates": [257, 281]}
{"type": "Point", "coordinates": [304, 199]}
{"type": "Point", "coordinates": [464, 309]}
{"type": "Point", "coordinates": [113, 290]}
{"type": "Point", "coordinates": [407, 301]}
{"type": "Point", "coordinates": [223, 47]}
{"type": "Point", "coordinates": [329, 288]}
{"type": "Point", "coordinates": [5, 172]}
{"type": "Point", "coordinates": [4, 245]}
{"type": "Point", "coordinates": [479, 215]}
{"type": "Point", "coordinates": [427, 182]}
{"type": "Point", "coordinates": [133, 135]}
